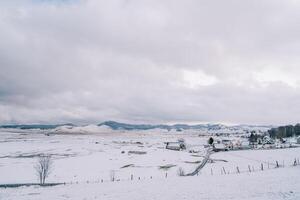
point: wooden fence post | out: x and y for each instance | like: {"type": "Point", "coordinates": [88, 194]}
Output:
{"type": "Point", "coordinates": [224, 170]}
{"type": "Point", "coordinates": [238, 170]}
{"type": "Point", "coordinates": [249, 168]}
{"type": "Point", "coordinates": [262, 167]}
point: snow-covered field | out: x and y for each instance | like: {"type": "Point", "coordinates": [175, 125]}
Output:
{"type": "Point", "coordinates": [276, 184]}
{"type": "Point", "coordinates": [84, 160]}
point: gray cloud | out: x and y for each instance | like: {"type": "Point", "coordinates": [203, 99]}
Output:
{"type": "Point", "coordinates": [150, 61]}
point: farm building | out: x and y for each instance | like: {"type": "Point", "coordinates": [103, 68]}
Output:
{"type": "Point", "coordinates": [241, 145]}
{"type": "Point", "coordinates": [177, 146]}
{"type": "Point", "coordinates": [220, 147]}
{"type": "Point", "coordinates": [227, 143]}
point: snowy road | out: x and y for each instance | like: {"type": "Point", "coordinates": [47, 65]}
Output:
{"type": "Point", "coordinates": [203, 163]}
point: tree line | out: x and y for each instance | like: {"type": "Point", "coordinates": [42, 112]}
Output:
{"type": "Point", "coordinates": [285, 131]}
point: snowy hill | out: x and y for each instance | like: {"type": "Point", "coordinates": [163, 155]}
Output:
{"type": "Point", "coordinates": [108, 126]}
{"type": "Point", "coordinates": [206, 127]}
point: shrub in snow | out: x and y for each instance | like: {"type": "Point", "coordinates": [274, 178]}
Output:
{"type": "Point", "coordinates": [180, 171]}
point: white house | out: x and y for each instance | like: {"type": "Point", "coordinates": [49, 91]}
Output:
{"type": "Point", "coordinates": [220, 147]}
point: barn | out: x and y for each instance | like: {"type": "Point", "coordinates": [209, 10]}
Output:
{"type": "Point", "coordinates": [176, 146]}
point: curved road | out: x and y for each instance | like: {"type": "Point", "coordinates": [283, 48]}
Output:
{"type": "Point", "coordinates": [203, 163]}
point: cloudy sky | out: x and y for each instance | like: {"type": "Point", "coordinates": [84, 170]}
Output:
{"type": "Point", "coordinates": [152, 61]}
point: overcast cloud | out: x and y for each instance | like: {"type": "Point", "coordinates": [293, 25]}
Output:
{"type": "Point", "coordinates": [156, 61]}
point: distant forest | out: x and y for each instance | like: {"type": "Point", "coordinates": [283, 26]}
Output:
{"type": "Point", "coordinates": [285, 131]}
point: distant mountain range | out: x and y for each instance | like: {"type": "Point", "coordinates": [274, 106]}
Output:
{"type": "Point", "coordinates": [36, 126]}
{"type": "Point", "coordinates": [124, 126]}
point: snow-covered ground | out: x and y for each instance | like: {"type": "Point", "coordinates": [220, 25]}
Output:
{"type": "Point", "coordinates": [87, 158]}
{"type": "Point", "coordinates": [276, 184]}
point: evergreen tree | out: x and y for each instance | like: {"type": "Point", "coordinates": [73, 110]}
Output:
{"type": "Point", "coordinates": [210, 141]}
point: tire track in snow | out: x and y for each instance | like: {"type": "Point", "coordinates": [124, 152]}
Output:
{"type": "Point", "coordinates": [202, 164]}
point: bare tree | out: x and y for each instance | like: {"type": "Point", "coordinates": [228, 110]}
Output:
{"type": "Point", "coordinates": [43, 168]}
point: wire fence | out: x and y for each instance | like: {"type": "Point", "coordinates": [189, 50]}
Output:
{"type": "Point", "coordinates": [216, 171]}
{"type": "Point", "coordinates": [263, 166]}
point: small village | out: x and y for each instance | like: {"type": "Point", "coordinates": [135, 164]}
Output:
{"type": "Point", "coordinates": [253, 142]}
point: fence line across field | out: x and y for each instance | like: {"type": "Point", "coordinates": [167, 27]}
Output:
{"type": "Point", "coordinates": [263, 166]}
